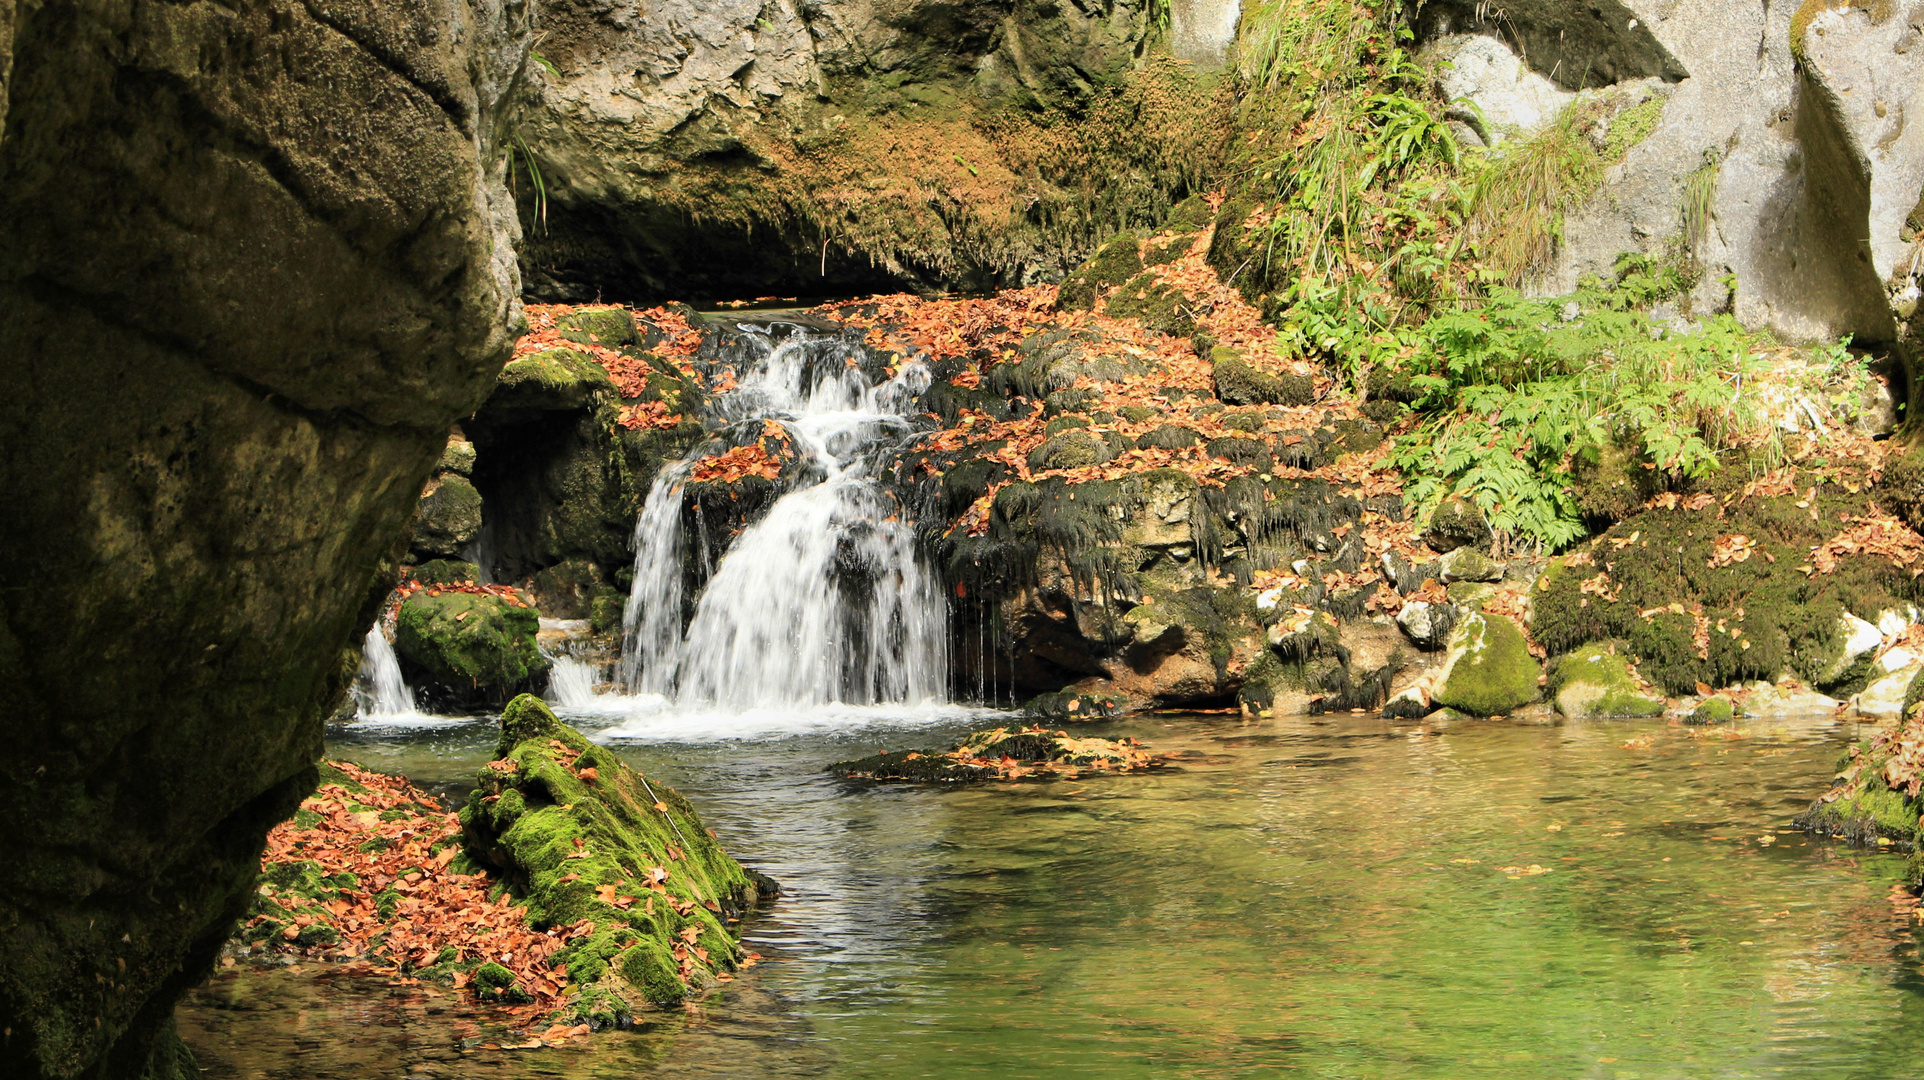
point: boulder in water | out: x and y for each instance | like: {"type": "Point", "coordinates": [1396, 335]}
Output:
{"type": "Point", "coordinates": [1595, 682]}
{"type": "Point", "coordinates": [1489, 670]}
{"type": "Point", "coordinates": [476, 644]}
{"type": "Point", "coordinates": [1004, 754]}
{"type": "Point", "coordinates": [595, 846]}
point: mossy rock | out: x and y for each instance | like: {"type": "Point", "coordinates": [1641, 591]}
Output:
{"type": "Point", "coordinates": [1002, 753]}
{"type": "Point", "coordinates": [1489, 670]}
{"type": "Point", "coordinates": [579, 836]}
{"type": "Point", "coordinates": [566, 590]}
{"type": "Point", "coordinates": [449, 519]}
{"type": "Point", "coordinates": [458, 458]}
{"type": "Point", "coordinates": [1068, 706]}
{"type": "Point", "coordinates": [446, 572]}
{"type": "Point", "coordinates": [1113, 263]}
{"type": "Point", "coordinates": [1070, 450]}
{"type": "Point", "coordinates": [1252, 453]}
{"type": "Point", "coordinates": [1457, 523]}
{"type": "Point", "coordinates": [1612, 486]}
{"type": "Point", "coordinates": [605, 610]}
{"type": "Point", "coordinates": [553, 380]}
{"type": "Point", "coordinates": [1595, 683]}
{"type": "Point", "coordinates": [1238, 382]}
{"type": "Point", "coordinates": [1712, 710]}
{"type": "Point", "coordinates": [1152, 303]}
{"type": "Point", "coordinates": [470, 642]}
{"type": "Point", "coordinates": [1901, 487]}
{"type": "Point", "coordinates": [607, 327]}
{"type": "Point", "coordinates": [1168, 437]}
{"type": "Point", "coordinates": [1655, 582]}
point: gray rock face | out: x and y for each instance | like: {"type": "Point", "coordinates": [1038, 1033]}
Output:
{"type": "Point", "coordinates": [1814, 173]}
{"type": "Point", "coordinates": [693, 148]}
{"type": "Point", "coordinates": [254, 258]}
{"type": "Point", "coordinates": [1428, 625]}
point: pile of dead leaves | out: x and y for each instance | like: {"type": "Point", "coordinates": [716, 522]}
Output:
{"type": "Point", "coordinates": [513, 596]}
{"type": "Point", "coordinates": [1872, 534]}
{"type": "Point", "coordinates": [365, 872]}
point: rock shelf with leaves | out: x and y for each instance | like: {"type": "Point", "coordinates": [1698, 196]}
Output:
{"type": "Point", "coordinates": [568, 888]}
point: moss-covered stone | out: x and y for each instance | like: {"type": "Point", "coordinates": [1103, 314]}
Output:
{"type": "Point", "coordinates": [1113, 263]}
{"type": "Point", "coordinates": [553, 380]}
{"type": "Point", "coordinates": [1595, 682]}
{"type": "Point", "coordinates": [1157, 306]}
{"type": "Point", "coordinates": [1070, 706]}
{"type": "Point", "coordinates": [1713, 710]}
{"type": "Point", "coordinates": [582, 837]}
{"type": "Point", "coordinates": [1489, 669]}
{"type": "Point", "coordinates": [1456, 523]}
{"type": "Point", "coordinates": [1003, 754]}
{"type": "Point", "coordinates": [450, 518]}
{"type": "Point", "coordinates": [1072, 449]}
{"type": "Point", "coordinates": [610, 327]}
{"type": "Point", "coordinates": [458, 458]}
{"type": "Point", "coordinates": [477, 643]}
{"type": "Point", "coordinates": [605, 610]}
{"type": "Point", "coordinates": [1238, 382]}
{"type": "Point", "coordinates": [446, 572]}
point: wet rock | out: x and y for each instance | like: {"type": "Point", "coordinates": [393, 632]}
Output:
{"type": "Point", "coordinates": [473, 646]}
{"type": "Point", "coordinates": [1066, 706]}
{"type": "Point", "coordinates": [582, 838]}
{"type": "Point", "coordinates": [1489, 669]}
{"type": "Point", "coordinates": [450, 518]}
{"type": "Point", "coordinates": [1070, 450]}
{"type": "Point", "coordinates": [446, 572]}
{"type": "Point", "coordinates": [1428, 625]}
{"type": "Point", "coordinates": [1593, 683]}
{"type": "Point", "coordinates": [1857, 645]}
{"type": "Point", "coordinates": [608, 327]}
{"type": "Point", "coordinates": [1884, 698]}
{"type": "Point", "coordinates": [554, 380]}
{"type": "Point", "coordinates": [1005, 754]}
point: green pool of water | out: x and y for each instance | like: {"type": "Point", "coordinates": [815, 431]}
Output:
{"type": "Point", "coordinates": [1331, 898]}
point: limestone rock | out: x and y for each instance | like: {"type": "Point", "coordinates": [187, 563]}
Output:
{"type": "Point", "coordinates": [1884, 698]}
{"type": "Point", "coordinates": [258, 256]}
{"type": "Point", "coordinates": [1427, 624]}
{"type": "Point", "coordinates": [1860, 641]}
{"type": "Point", "coordinates": [1489, 669]}
{"type": "Point", "coordinates": [1593, 683]}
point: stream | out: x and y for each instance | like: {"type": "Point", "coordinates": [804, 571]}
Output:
{"type": "Point", "coordinates": [1333, 897]}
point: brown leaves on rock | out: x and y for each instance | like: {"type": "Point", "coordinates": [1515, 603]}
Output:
{"type": "Point", "coordinates": [1729, 549]}
{"type": "Point", "coordinates": [402, 864]}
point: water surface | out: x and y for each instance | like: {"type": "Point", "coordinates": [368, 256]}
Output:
{"type": "Point", "coordinates": [1327, 897]}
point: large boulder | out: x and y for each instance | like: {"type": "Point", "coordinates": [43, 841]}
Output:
{"type": "Point", "coordinates": [1489, 669]}
{"type": "Point", "coordinates": [589, 843]}
{"type": "Point", "coordinates": [471, 646]}
{"type": "Point", "coordinates": [255, 257]}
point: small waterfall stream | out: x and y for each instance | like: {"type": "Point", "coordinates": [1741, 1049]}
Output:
{"type": "Point", "coordinates": [379, 690]}
{"type": "Point", "coordinates": [822, 600]}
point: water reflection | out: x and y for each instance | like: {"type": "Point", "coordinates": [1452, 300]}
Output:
{"type": "Point", "coordinates": [1345, 899]}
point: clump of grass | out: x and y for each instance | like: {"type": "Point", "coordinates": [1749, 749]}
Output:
{"type": "Point", "coordinates": [1517, 211]}
{"type": "Point", "coordinates": [1699, 206]}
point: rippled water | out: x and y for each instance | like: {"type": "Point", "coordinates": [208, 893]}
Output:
{"type": "Point", "coordinates": [1328, 898]}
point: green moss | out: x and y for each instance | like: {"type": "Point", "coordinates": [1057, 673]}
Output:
{"type": "Point", "coordinates": [1594, 682]}
{"type": "Point", "coordinates": [1632, 126]}
{"type": "Point", "coordinates": [558, 836]}
{"type": "Point", "coordinates": [609, 327]}
{"type": "Point", "coordinates": [470, 640]}
{"type": "Point", "coordinates": [449, 519]}
{"type": "Point", "coordinates": [458, 458]}
{"type": "Point", "coordinates": [1490, 668]}
{"type": "Point", "coordinates": [1731, 623]}
{"type": "Point", "coordinates": [1114, 263]}
{"type": "Point", "coordinates": [1070, 450]}
{"type": "Point", "coordinates": [1156, 305]}
{"type": "Point", "coordinates": [1238, 382]}
{"type": "Point", "coordinates": [605, 610]}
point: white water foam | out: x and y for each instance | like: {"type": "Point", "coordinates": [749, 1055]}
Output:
{"type": "Point", "coordinates": [822, 602]}
{"type": "Point", "coordinates": [381, 694]}
{"type": "Point", "coordinates": [650, 718]}
{"type": "Point", "coordinates": [571, 684]}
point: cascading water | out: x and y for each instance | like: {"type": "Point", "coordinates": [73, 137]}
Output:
{"type": "Point", "coordinates": [824, 599]}
{"type": "Point", "coordinates": [379, 690]}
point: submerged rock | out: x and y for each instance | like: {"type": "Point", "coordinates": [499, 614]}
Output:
{"type": "Point", "coordinates": [1005, 754]}
{"type": "Point", "coordinates": [626, 864]}
{"type": "Point", "coordinates": [1489, 670]}
{"type": "Point", "coordinates": [477, 645]}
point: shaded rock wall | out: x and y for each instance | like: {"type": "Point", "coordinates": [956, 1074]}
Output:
{"type": "Point", "coordinates": [254, 257]}
{"type": "Point", "coordinates": [699, 150]}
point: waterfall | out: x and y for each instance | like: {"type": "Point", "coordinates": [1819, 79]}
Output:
{"type": "Point", "coordinates": [571, 683]}
{"type": "Point", "coordinates": [379, 690]}
{"type": "Point", "coordinates": [825, 598]}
